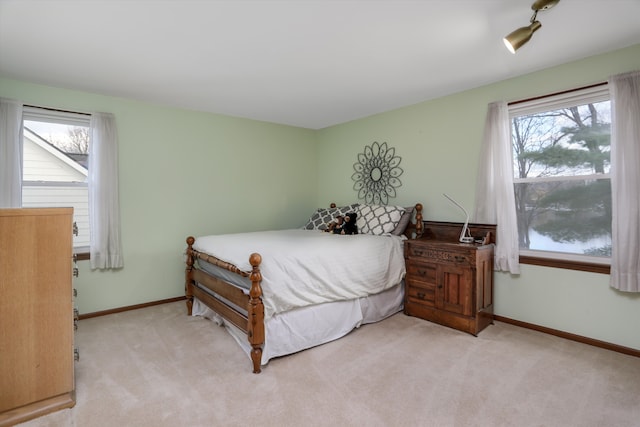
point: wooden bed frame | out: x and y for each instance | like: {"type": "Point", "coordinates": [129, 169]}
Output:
{"type": "Point", "coordinates": [253, 322]}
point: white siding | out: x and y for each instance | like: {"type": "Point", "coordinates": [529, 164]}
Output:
{"type": "Point", "coordinates": [76, 197]}
{"type": "Point", "coordinates": [42, 165]}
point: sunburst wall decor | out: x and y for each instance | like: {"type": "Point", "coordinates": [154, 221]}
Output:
{"type": "Point", "coordinates": [376, 174]}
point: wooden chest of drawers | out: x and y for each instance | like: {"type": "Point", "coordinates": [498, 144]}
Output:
{"type": "Point", "coordinates": [450, 283]}
{"type": "Point", "coordinates": [36, 313]}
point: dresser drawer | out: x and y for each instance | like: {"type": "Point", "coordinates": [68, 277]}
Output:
{"type": "Point", "coordinates": [421, 272]}
{"type": "Point", "coordinates": [428, 253]}
{"type": "Point", "coordinates": [419, 293]}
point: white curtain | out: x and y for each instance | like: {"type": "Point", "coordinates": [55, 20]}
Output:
{"type": "Point", "coordinates": [495, 199]}
{"type": "Point", "coordinates": [625, 181]}
{"type": "Point", "coordinates": [104, 206]}
{"type": "Point", "coordinates": [10, 153]}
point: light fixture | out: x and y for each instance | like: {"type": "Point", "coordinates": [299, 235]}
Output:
{"type": "Point", "coordinates": [516, 39]}
{"type": "Point", "coordinates": [465, 235]}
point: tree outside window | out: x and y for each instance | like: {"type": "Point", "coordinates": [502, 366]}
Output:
{"type": "Point", "coordinates": [561, 161]}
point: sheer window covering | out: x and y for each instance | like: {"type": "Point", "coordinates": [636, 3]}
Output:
{"type": "Point", "coordinates": [10, 153]}
{"type": "Point", "coordinates": [625, 181]}
{"type": "Point", "coordinates": [494, 186]}
{"type": "Point", "coordinates": [495, 199]}
{"type": "Point", "coordinates": [104, 206]}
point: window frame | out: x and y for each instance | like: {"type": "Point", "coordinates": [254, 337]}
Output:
{"type": "Point", "coordinates": [63, 117]}
{"type": "Point", "coordinates": [598, 92]}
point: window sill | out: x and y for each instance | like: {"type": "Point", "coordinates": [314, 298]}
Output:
{"type": "Point", "coordinates": [566, 264]}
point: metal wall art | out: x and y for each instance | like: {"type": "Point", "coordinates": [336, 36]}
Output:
{"type": "Point", "coordinates": [376, 174]}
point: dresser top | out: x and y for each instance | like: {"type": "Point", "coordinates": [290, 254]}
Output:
{"type": "Point", "coordinates": [35, 211]}
{"type": "Point", "coordinates": [449, 232]}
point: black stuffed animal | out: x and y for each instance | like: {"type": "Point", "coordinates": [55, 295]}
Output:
{"type": "Point", "coordinates": [349, 225]}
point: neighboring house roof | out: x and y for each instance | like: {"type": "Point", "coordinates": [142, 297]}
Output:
{"type": "Point", "coordinates": [70, 164]}
{"type": "Point", "coordinates": [82, 159]}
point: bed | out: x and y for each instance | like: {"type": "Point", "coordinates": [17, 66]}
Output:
{"type": "Point", "coordinates": [282, 291]}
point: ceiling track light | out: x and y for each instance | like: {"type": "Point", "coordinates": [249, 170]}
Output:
{"type": "Point", "coordinates": [513, 41]}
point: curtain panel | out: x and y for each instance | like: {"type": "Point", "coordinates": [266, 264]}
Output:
{"type": "Point", "coordinates": [10, 153]}
{"type": "Point", "coordinates": [104, 206]}
{"type": "Point", "coordinates": [495, 199]}
{"type": "Point", "coordinates": [625, 181]}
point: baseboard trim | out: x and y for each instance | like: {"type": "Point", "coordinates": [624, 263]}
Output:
{"type": "Point", "coordinates": [129, 307]}
{"type": "Point", "coordinates": [590, 341]}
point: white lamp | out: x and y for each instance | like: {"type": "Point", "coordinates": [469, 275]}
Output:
{"type": "Point", "coordinates": [465, 235]}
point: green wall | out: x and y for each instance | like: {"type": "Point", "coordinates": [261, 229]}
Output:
{"type": "Point", "coordinates": [439, 142]}
{"type": "Point", "coordinates": [184, 172]}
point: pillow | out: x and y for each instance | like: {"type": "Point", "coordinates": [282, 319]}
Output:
{"type": "Point", "coordinates": [378, 219]}
{"type": "Point", "coordinates": [404, 221]}
{"type": "Point", "coordinates": [323, 216]}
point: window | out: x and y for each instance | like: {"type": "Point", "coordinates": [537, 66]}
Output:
{"type": "Point", "coordinates": [561, 166]}
{"type": "Point", "coordinates": [55, 159]}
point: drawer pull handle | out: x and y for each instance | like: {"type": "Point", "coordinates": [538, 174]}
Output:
{"type": "Point", "coordinates": [459, 258]}
{"type": "Point", "coordinates": [421, 295]}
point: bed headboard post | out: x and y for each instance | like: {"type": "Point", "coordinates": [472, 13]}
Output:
{"type": "Point", "coordinates": [415, 229]}
{"type": "Point", "coordinates": [188, 274]}
{"type": "Point", "coordinates": [255, 320]}
{"type": "Point", "coordinates": [419, 223]}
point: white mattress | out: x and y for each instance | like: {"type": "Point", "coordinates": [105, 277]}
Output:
{"type": "Point", "coordinates": [306, 327]}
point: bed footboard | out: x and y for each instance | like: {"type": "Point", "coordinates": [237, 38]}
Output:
{"type": "Point", "coordinates": [188, 275]}
{"type": "Point", "coordinates": [253, 322]}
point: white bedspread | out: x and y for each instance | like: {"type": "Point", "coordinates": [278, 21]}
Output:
{"type": "Point", "coordinates": [305, 267]}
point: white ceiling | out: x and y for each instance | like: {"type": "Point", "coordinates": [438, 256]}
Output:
{"type": "Point", "coordinates": [307, 63]}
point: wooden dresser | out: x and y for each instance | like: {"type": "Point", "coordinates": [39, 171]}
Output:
{"type": "Point", "coordinates": [36, 313]}
{"type": "Point", "coordinates": [448, 282]}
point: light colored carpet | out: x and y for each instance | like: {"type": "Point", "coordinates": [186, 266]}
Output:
{"type": "Point", "coordinates": [158, 367]}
